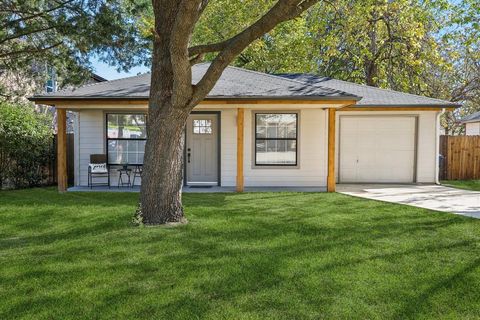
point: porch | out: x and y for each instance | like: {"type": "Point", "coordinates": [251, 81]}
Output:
{"type": "Point", "coordinates": [236, 150]}
{"type": "Point", "coordinates": [202, 189]}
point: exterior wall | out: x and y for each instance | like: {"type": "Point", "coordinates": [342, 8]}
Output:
{"type": "Point", "coordinates": [426, 147]}
{"type": "Point", "coordinates": [91, 140]}
{"type": "Point", "coordinates": [312, 144]}
{"type": "Point", "coordinates": [472, 128]}
{"type": "Point", "coordinates": [228, 147]}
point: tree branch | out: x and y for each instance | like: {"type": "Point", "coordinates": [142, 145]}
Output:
{"type": "Point", "coordinates": [8, 55]}
{"type": "Point", "coordinates": [19, 35]}
{"type": "Point", "coordinates": [35, 15]}
{"type": "Point", "coordinates": [282, 11]}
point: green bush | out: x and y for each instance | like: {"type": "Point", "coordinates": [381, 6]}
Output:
{"type": "Point", "coordinates": [26, 146]}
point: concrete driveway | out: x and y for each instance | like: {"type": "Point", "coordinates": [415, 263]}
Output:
{"type": "Point", "coordinates": [462, 202]}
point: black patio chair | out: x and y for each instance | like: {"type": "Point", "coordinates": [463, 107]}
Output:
{"type": "Point", "coordinates": [98, 168]}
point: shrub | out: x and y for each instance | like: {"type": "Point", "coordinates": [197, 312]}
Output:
{"type": "Point", "coordinates": [26, 146]}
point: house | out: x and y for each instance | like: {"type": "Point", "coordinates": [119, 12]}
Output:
{"type": "Point", "coordinates": [472, 124]}
{"type": "Point", "coordinates": [258, 130]}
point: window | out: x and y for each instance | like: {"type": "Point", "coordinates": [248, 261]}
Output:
{"type": "Point", "coordinates": [202, 126]}
{"type": "Point", "coordinates": [51, 83]}
{"type": "Point", "coordinates": [126, 137]}
{"type": "Point", "coordinates": [276, 139]}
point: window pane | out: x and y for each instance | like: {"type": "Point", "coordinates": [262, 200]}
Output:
{"type": "Point", "coordinates": [276, 152]}
{"type": "Point", "coordinates": [126, 126]}
{"type": "Point", "coordinates": [202, 126]}
{"type": "Point", "coordinates": [126, 151]}
{"type": "Point", "coordinates": [276, 125]}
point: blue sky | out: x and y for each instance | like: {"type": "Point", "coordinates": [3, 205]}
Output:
{"type": "Point", "coordinates": [110, 73]}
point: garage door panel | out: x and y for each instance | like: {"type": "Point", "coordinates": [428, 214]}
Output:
{"type": "Point", "coordinates": [377, 149]}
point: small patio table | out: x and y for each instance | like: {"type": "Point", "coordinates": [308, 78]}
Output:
{"type": "Point", "coordinates": [124, 171]}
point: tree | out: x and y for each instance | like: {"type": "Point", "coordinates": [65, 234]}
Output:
{"type": "Point", "coordinates": [172, 95]}
{"type": "Point", "coordinates": [458, 43]}
{"type": "Point", "coordinates": [275, 51]}
{"type": "Point", "coordinates": [382, 43]}
{"type": "Point", "coordinates": [26, 139]}
{"type": "Point", "coordinates": [65, 34]}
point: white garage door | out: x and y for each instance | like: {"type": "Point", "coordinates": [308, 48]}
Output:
{"type": "Point", "coordinates": [377, 149]}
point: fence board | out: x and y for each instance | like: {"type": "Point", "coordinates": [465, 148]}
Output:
{"type": "Point", "coordinates": [460, 157]}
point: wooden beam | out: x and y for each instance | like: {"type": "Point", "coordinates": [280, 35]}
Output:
{"type": "Point", "coordinates": [331, 184]}
{"type": "Point", "coordinates": [62, 150]}
{"type": "Point", "coordinates": [240, 144]}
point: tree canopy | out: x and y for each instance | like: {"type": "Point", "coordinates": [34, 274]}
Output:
{"type": "Point", "coordinates": [423, 47]}
{"type": "Point", "coordinates": [65, 34]}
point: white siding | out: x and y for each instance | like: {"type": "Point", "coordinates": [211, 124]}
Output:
{"type": "Point", "coordinates": [91, 140]}
{"type": "Point", "coordinates": [228, 147]}
{"type": "Point", "coordinates": [426, 151]}
{"type": "Point", "coordinates": [472, 128]}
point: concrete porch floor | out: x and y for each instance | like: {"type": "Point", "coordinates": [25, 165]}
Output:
{"type": "Point", "coordinates": [212, 189]}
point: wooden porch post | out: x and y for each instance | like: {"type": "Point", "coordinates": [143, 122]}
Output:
{"type": "Point", "coordinates": [331, 184]}
{"type": "Point", "coordinates": [62, 150]}
{"type": "Point", "coordinates": [240, 137]}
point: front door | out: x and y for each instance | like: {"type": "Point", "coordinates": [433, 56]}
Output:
{"type": "Point", "coordinates": [202, 149]}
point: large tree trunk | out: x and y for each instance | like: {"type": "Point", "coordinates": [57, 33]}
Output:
{"type": "Point", "coordinates": [161, 198]}
{"type": "Point", "coordinates": [172, 95]}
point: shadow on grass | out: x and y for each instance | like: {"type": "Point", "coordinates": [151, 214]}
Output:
{"type": "Point", "coordinates": [264, 255]}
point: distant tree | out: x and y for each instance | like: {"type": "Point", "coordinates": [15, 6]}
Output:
{"type": "Point", "coordinates": [459, 43]}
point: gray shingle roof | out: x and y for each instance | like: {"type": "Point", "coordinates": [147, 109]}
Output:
{"type": "Point", "coordinates": [474, 117]}
{"type": "Point", "coordinates": [237, 83]}
{"type": "Point", "coordinates": [234, 83]}
{"type": "Point", "coordinates": [371, 96]}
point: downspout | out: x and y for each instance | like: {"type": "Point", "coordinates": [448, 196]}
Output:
{"type": "Point", "coordinates": [437, 145]}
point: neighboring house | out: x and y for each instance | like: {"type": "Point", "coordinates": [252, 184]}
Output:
{"type": "Point", "coordinates": [472, 124]}
{"type": "Point", "coordinates": [298, 130]}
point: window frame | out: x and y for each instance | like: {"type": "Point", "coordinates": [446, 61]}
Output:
{"type": "Point", "coordinates": [256, 138]}
{"type": "Point", "coordinates": [107, 139]}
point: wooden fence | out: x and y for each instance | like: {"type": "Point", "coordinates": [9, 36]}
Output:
{"type": "Point", "coordinates": [460, 157]}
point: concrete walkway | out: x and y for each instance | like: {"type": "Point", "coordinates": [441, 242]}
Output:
{"type": "Point", "coordinates": [440, 198]}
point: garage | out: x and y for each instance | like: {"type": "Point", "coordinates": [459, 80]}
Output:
{"type": "Point", "coordinates": [377, 149]}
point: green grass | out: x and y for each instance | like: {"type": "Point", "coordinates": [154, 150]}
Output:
{"type": "Point", "coordinates": [241, 256]}
{"type": "Point", "coordinates": [463, 184]}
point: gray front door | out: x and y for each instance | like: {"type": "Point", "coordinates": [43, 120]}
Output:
{"type": "Point", "coordinates": [202, 149]}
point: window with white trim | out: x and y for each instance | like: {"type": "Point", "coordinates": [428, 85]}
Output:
{"type": "Point", "coordinates": [276, 139]}
{"type": "Point", "coordinates": [126, 138]}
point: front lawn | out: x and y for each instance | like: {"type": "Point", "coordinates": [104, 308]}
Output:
{"type": "Point", "coordinates": [242, 256]}
{"type": "Point", "coordinates": [463, 184]}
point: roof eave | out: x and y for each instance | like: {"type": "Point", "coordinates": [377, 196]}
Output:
{"type": "Point", "coordinates": [423, 105]}
{"type": "Point", "coordinates": [213, 98]}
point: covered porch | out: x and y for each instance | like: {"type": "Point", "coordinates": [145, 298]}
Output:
{"type": "Point", "coordinates": [201, 189]}
{"type": "Point", "coordinates": [241, 161]}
